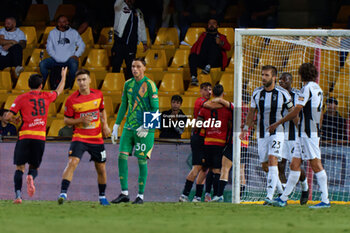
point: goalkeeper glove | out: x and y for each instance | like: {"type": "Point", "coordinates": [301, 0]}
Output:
{"type": "Point", "coordinates": [142, 132]}
{"type": "Point", "coordinates": [115, 134]}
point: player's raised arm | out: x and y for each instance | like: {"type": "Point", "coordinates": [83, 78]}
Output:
{"type": "Point", "coordinates": [60, 86]}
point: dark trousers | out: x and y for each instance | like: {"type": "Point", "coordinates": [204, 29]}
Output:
{"type": "Point", "coordinates": [122, 52]}
{"type": "Point", "coordinates": [13, 58]}
{"type": "Point", "coordinates": [199, 61]}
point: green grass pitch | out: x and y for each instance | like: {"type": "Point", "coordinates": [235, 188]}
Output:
{"type": "Point", "coordinates": [72, 217]}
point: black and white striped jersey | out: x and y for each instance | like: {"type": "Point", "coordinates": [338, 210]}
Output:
{"type": "Point", "coordinates": [270, 106]}
{"type": "Point", "coordinates": [290, 129]}
{"type": "Point", "coordinates": [311, 98]}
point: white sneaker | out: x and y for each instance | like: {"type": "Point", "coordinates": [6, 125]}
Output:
{"type": "Point", "coordinates": [197, 199]}
{"type": "Point", "coordinates": [217, 199]}
{"type": "Point", "coordinates": [183, 198]}
{"type": "Point", "coordinates": [19, 70]}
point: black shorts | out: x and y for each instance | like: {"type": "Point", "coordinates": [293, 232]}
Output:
{"type": "Point", "coordinates": [213, 156]}
{"type": "Point", "coordinates": [97, 151]}
{"type": "Point", "coordinates": [197, 146]}
{"type": "Point", "coordinates": [29, 151]}
{"type": "Point", "coordinates": [228, 151]}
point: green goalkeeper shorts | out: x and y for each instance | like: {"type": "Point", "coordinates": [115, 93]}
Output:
{"type": "Point", "coordinates": [143, 146]}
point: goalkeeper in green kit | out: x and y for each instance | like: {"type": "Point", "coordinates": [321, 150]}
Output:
{"type": "Point", "coordinates": [140, 95]}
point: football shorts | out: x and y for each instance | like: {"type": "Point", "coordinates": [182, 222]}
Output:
{"type": "Point", "coordinates": [96, 151]}
{"type": "Point", "coordinates": [271, 145]}
{"type": "Point", "coordinates": [143, 146]}
{"type": "Point", "coordinates": [29, 151]}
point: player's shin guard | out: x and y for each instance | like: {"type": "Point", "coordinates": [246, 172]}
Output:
{"type": "Point", "coordinates": [322, 182]}
{"type": "Point", "coordinates": [143, 170]}
{"type": "Point", "coordinates": [18, 179]}
{"type": "Point", "coordinates": [123, 171]}
{"type": "Point", "coordinates": [293, 179]}
{"type": "Point", "coordinates": [272, 177]}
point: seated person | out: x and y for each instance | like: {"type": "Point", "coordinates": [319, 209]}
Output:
{"type": "Point", "coordinates": [209, 51]}
{"type": "Point", "coordinates": [6, 128]}
{"type": "Point", "coordinates": [61, 45]}
{"type": "Point", "coordinates": [12, 43]}
{"type": "Point", "coordinates": [171, 118]}
{"type": "Point", "coordinates": [333, 125]}
{"type": "Point", "coordinates": [66, 131]}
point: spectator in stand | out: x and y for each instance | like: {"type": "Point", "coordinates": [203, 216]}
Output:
{"type": "Point", "coordinates": [259, 13]}
{"type": "Point", "coordinates": [129, 30]}
{"type": "Point", "coordinates": [6, 128]}
{"type": "Point", "coordinates": [65, 46]}
{"type": "Point", "coordinates": [12, 43]}
{"type": "Point", "coordinates": [171, 118]}
{"type": "Point", "coordinates": [333, 125]}
{"type": "Point", "coordinates": [185, 12]}
{"type": "Point", "coordinates": [209, 51]}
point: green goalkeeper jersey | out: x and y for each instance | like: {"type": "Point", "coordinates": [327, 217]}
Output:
{"type": "Point", "coordinates": [138, 97]}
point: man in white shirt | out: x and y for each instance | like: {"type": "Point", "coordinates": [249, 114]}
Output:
{"type": "Point", "coordinates": [65, 46]}
{"type": "Point", "coordinates": [12, 43]}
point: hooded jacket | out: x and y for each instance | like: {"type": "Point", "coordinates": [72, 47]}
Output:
{"type": "Point", "coordinates": [63, 45]}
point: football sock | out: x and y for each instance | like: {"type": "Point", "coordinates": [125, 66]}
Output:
{"type": "Point", "coordinates": [209, 182]}
{"type": "Point", "coordinates": [279, 186]}
{"type": "Point", "coordinates": [18, 177]}
{"type": "Point", "coordinates": [199, 190]}
{"type": "Point", "coordinates": [222, 184]}
{"type": "Point", "coordinates": [304, 185]}
{"type": "Point", "coordinates": [216, 178]}
{"type": "Point", "coordinates": [101, 189]}
{"type": "Point", "coordinates": [123, 171]}
{"type": "Point", "coordinates": [33, 172]}
{"type": "Point", "coordinates": [64, 185]}
{"type": "Point", "coordinates": [142, 175]}
{"type": "Point", "coordinates": [322, 182]}
{"type": "Point", "coordinates": [188, 187]}
{"type": "Point", "coordinates": [140, 196]}
{"type": "Point", "coordinates": [125, 192]}
{"type": "Point", "coordinates": [272, 177]}
{"type": "Point", "coordinates": [293, 179]}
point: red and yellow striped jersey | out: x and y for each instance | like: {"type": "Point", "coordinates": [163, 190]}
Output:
{"type": "Point", "coordinates": [33, 107]}
{"type": "Point", "coordinates": [77, 106]}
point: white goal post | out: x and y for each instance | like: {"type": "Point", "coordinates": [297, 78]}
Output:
{"type": "Point", "coordinates": [287, 49]}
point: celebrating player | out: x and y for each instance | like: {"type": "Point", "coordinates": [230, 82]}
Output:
{"type": "Point", "coordinates": [140, 95]}
{"type": "Point", "coordinates": [85, 111]}
{"type": "Point", "coordinates": [33, 107]}
{"type": "Point", "coordinates": [197, 146]}
{"type": "Point", "coordinates": [269, 101]}
{"type": "Point", "coordinates": [291, 141]}
{"type": "Point", "coordinates": [310, 102]}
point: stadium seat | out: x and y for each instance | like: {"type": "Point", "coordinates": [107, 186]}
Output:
{"type": "Point", "coordinates": [5, 82]}
{"type": "Point", "coordinates": [55, 127]}
{"type": "Point", "coordinates": [231, 65]}
{"type": "Point", "coordinates": [108, 103]}
{"type": "Point", "coordinates": [164, 103]}
{"type": "Point", "coordinates": [88, 37]}
{"type": "Point", "coordinates": [140, 52]}
{"type": "Point", "coordinates": [37, 13]}
{"type": "Point", "coordinates": [171, 84]}
{"type": "Point", "coordinates": [67, 10]}
{"type": "Point", "coordinates": [9, 101]}
{"type": "Point", "coordinates": [180, 62]}
{"type": "Point", "coordinates": [98, 62]}
{"type": "Point", "coordinates": [329, 62]}
{"type": "Point", "coordinates": [31, 36]}
{"type": "Point", "coordinates": [150, 76]}
{"type": "Point", "coordinates": [60, 114]}
{"type": "Point", "coordinates": [104, 41]}
{"type": "Point", "coordinates": [271, 57]}
{"type": "Point", "coordinates": [22, 83]}
{"type": "Point", "coordinates": [227, 81]}
{"type": "Point", "coordinates": [230, 36]}
{"type": "Point", "coordinates": [44, 36]}
{"type": "Point", "coordinates": [113, 84]}
{"type": "Point", "coordinates": [156, 58]}
{"type": "Point", "coordinates": [195, 90]}
{"type": "Point", "coordinates": [191, 37]}
{"type": "Point", "coordinates": [188, 104]}
{"type": "Point", "coordinates": [167, 37]}
{"type": "Point", "coordinates": [342, 86]}
{"type": "Point", "coordinates": [35, 59]}
{"type": "Point", "coordinates": [52, 110]}
{"type": "Point", "coordinates": [93, 84]}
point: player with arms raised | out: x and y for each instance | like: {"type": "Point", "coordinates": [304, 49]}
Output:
{"type": "Point", "coordinates": [140, 95]}
{"type": "Point", "coordinates": [33, 107]}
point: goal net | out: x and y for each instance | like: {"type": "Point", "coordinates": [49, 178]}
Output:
{"type": "Point", "coordinates": [287, 50]}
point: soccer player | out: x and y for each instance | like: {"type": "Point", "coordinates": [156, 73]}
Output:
{"type": "Point", "coordinates": [215, 136]}
{"type": "Point", "coordinates": [197, 146]}
{"type": "Point", "coordinates": [269, 101]}
{"type": "Point", "coordinates": [84, 110]}
{"type": "Point", "coordinates": [33, 107]}
{"type": "Point", "coordinates": [140, 95]}
{"type": "Point", "coordinates": [291, 141]}
{"type": "Point", "coordinates": [310, 103]}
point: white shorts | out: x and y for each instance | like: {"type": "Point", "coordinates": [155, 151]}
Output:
{"type": "Point", "coordinates": [272, 145]}
{"type": "Point", "coordinates": [310, 148]}
{"type": "Point", "coordinates": [291, 149]}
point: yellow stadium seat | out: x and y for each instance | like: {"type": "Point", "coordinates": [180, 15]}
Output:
{"type": "Point", "coordinates": [188, 104]}
{"type": "Point", "coordinates": [31, 36]}
{"type": "Point", "coordinates": [164, 103]}
{"type": "Point", "coordinates": [60, 114]}
{"type": "Point", "coordinates": [55, 127]}
{"type": "Point", "coordinates": [192, 36]}
{"type": "Point", "coordinates": [37, 12]}
{"type": "Point", "coordinates": [342, 86]}
{"type": "Point", "coordinates": [180, 59]}
{"type": "Point", "coordinates": [270, 57]}
{"type": "Point", "coordinates": [106, 38]}
{"type": "Point", "coordinates": [67, 10]}
{"type": "Point", "coordinates": [227, 81]}
{"type": "Point", "coordinates": [9, 101]}
{"type": "Point", "coordinates": [108, 103]}
{"type": "Point", "coordinates": [5, 81]}
{"type": "Point", "coordinates": [88, 37]}
{"type": "Point", "coordinates": [35, 59]}
{"type": "Point", "coordinates": [230, 36]}
{"type": "Point", "coordinates": [150, 76]}
{"type": "Point", "coordinates": [52, 110]}
{"type": "Point", "coordinates": [172, 83]}
{"type": "Point", "coordinates": [97, 60]}
{"type": "Point", "coordinates": [92, 84]}
{"type": "Point", "coordinates": [140, 52]}
{"type": "Point", "coordinates": [195, 90]}
{"type": "Point", "coordinates": [156, 59]}
{"type": "Point", "coordinates": [22, 83]}
{"type": "Point", "coordinates": [167, 37]}
{"type": "Point", "coordinates": [113, 84]}
{"type": "Point", "coordinates": [45, 35]}
{"type": "Point", "coordinates": [329, 62]}
{"type": "Point", "coordinates": [231, 65]}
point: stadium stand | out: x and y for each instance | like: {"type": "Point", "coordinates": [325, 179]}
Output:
{"type": "Point", "coordinates": [171, 84]}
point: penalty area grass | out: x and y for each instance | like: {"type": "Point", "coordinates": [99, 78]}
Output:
{"type": "Point", "coordinates": [154, 217]}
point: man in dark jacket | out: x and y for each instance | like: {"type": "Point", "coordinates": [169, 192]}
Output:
{"type": "Point", "coordinates": [209, 51]}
